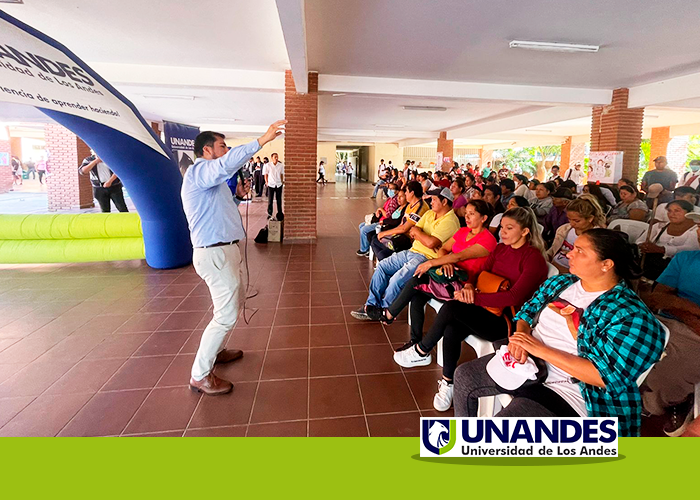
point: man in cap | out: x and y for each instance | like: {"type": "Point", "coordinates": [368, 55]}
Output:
{"type": "Point", "coordinates": [433, 229]}
{"type": "Point", "coordinates": [661, 175]}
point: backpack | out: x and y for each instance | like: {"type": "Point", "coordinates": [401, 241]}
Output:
{"type": "Point", "coordinates": [262, 236]}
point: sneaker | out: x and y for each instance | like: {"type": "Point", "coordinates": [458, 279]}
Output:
{"type": "Point", "coordinates": [678, 417]}
{"type": "Point", "coordinates": [408, 344]}
{"type": "Point", "coordinates": [410, 358]}
{"type": "Point", "coordinates": [360, 314]}
{"type": "Point", "coordinates": [443, 399]}
{"type": "Point", "coordinates": [360, 253]}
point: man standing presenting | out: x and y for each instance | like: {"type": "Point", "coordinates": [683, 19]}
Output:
{"type": "Point", "coordinates": [215, 229]}
{"type": "Point", "coordinates": [274, 178]}
{"type": "Point", "coordinates": [106, 185]}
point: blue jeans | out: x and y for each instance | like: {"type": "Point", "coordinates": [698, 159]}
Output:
{"type": "Point", "coordinates": [365, 230]}
{"type": "Point", "coordinates": [391, 275]}
{"type": "Point", "coordinates": [377, 187]}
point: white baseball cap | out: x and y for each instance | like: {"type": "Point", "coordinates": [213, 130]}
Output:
{"type": "Point", "coordinates": [507, 372]}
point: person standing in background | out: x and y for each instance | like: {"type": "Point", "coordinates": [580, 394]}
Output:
{"type": "Point", "coordinates": [321, 174]}
{"type": "Point", "coordinates": [41, 169]}
{"type": "Point", "coordinates": [274, 178]}
{"type": "Point", "coordinates": [348, 172]}
{"type": "Point", "coordinates": [106, 185]}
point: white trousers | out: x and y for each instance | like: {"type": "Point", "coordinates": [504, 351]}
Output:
{"type": "Point", "coordinates": [220, 268]}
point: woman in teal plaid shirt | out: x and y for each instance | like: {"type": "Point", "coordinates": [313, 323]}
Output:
{"type": "Point", "coordinates": [595, 335]}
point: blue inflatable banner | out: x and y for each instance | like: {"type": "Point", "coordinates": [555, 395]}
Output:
{"type": "Point", "coordinates": [38, 71]}
{"type": "Point", "coordinates": [181, 138]}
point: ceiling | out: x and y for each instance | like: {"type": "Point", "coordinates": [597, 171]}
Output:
{"type": "Point", "coordinates": [467, 40]}
{"type": "Point", "coordinates": [219, 65]}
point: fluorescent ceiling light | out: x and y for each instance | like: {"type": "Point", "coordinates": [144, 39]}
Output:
{"type": "Point", "coordinates": [385, 125]}
{"type": "Point", "coordinates": [168, 96]}
{"type": "Point", "coordinates": [338, 95]}
{"type": "Point", "coordinates": [651, 116]}
{"type": "Point", "coordinates": [424, 108]}
{"type": "Point", "coordinates": [221, 119]}
{"type": "Point", "coordinates": [536, 130]}
{"type": "Point", "coordinates": [553, 46]}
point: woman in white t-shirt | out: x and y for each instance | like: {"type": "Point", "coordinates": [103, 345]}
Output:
{"type": "Point", "coordinates": [666, 240]}
{"type": "Point", "coordinates": [584, 213]}
{"type": "Point", "coordinates": [594, 334]}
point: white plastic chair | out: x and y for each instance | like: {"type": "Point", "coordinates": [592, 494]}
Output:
{"type": "Point", "coordinates": [551, 270]}
{"type": "Point", "coordinates": [696, 410]}
{"type": "Point", "coordinates": [633, 228]}
{"type": "Point", "coordinates": [540, 227]}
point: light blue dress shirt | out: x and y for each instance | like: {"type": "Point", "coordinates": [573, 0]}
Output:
{"type": "Point", "coordinates": [212, 214]}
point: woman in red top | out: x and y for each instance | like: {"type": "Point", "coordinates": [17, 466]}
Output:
{"type": "Point", "coordinates": [518, 258]}
{"type": "Point", "coordinates": [467, 250]}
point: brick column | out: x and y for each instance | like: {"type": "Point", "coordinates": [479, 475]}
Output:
{"type": "Point", "coordinates": [5, 162]}
{"type": "Point", "coordinates": [66, 188]}
{"type": "Point", "coordinates": [485, 156]}
{"type": "Point", "coordinates": [565, 162]}
{"type": "Point", "coordinates": [301, 135]}
{"type": "Point", "coordinates": [660, 137]}
{"type": "Point", "coordinates": [619, 128]}
{"type": "Point", "coordinates": [446, 147]}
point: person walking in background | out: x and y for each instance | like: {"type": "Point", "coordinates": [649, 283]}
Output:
{"type": "Point", "coordinates": [348, 172]}
{"type": "Point", "coordinates": [274, 178]}
{"type": "Point", "coordinates": [106, 185]}
{"type": "Point", "coordinates": [17, 171]}
{"type": "Point", "coordinates": [321, 174]}
{"type": "Point", "coordinates": [41, 169]}
{"type": "Point", "coordinates": [31, 168]}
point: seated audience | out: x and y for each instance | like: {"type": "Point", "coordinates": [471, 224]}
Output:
{"type": "Point", "coordinates": [466, 251]}
{"type": "Point", "coordinates": [432, 230]}
{"type": "Point", "coordinates": [519, 259]}
{"type": "Point", "coordinates": [495, 224]}
{"type": "Point", "coordinates": [557, 215]}
{"type": "Point", "coordinates": [630, 206]}
{"type": "Point", "coordinates": [680, 193]}
{"type": "Point", "coordinates": [666, 240]}
{"type": "Point", "coordinates": [543, 202]}
{"type": "Point", "coordinates": [594, 334]}
{"type": "Point", "coordinates": [492, 196]}
{"type": "Point", "coordinates": [521, 187]}
{"type": "Point", "coordinates": [458, 188]}
{"type": "Point", "coordinates": [532, 185]}
{"type": "Point", "coordinates": [668, 390]}
{"type": "Point", "coordinates": [594, 189]}
{"type": "Point", "coordinates": [395, 239]}
{"type": "Point", "coordinates": [477, 193]}
{"type": "Point", "coordinates": [379, 215]}
{"type": "Point", "coordinates": [584, 213]}
{"type": "Point", "coordinates": [470, 183]}
{"type": "Point", "coordinates": [507, 190]}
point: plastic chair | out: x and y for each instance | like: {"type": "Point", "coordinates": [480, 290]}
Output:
{"type": "Point", "coordinates": [633, 228]}
{"type": "Point", "coordinates": [551, 270]}
{"type": "Point", "coordinates": [696, 409]}
{"type": "Point", "coordinates": [540, 227]}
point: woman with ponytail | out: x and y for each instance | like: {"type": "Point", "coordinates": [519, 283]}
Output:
{"type": "Point", "coordinates": [519, 260]}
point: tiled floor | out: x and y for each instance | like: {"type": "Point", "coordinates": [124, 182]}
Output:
{"type": "Point", "coordinates": [105, 349]}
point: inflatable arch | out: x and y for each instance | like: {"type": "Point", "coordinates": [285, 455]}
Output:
{"type": "Point", "coordinates": [39, 71]}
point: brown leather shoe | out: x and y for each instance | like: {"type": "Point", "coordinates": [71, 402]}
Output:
{"type": "Point", "coordinates": [228, 355]}
{"type": "Point", "coordinates": [211, 385]}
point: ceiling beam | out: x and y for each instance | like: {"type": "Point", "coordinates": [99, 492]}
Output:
{"type": "Point", "coordinates": [463, 90]}
{"type": "Point", "coordinates": [141, 74]}
{"type": "Point", "coordinates": [526, 117]}
{"type": "Point", "coordinates": [293, 22]}
{"type": "Point", "coordinates": [665, 91]}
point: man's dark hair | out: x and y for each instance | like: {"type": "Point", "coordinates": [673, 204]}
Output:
{"type": "Point", "coordinates": [494, 189]}
{"type": "Point", "coordinates": [555, 166]}
{"type": "Point", "coordinates": [207, 138]}
{"type": "Point", "coordinates": [682, 190]}
{"type": "Point", "coordinates": [416, 188]}
{"type": "Point", "coordinates": [424, 176]}
{"type": "Point", "coordinates": [509, 184]}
